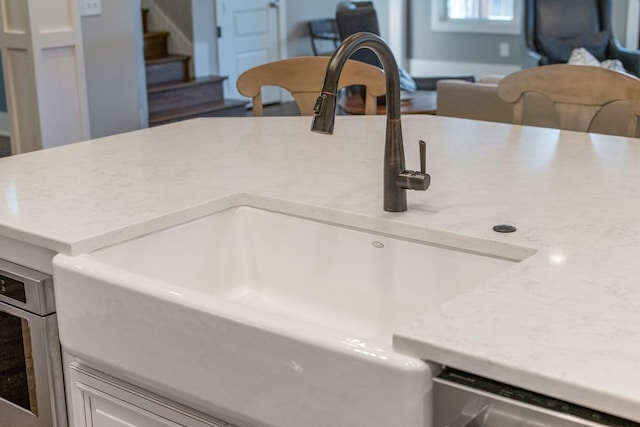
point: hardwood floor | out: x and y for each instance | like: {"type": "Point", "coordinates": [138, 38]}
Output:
{"type": "Point", "coordinates": [281, 109]}
{"type": "Point", "coordinates": [287, 109]}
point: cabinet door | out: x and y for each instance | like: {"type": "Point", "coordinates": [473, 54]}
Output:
{"type": "Point", "coordinates": [106, 411]}
{"type": "Point", "coordinates": [102, 401]}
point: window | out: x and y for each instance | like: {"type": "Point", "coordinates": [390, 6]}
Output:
{"type": "Point", "coordinates": [498, 10]}
{"type": "Point", "coordinates": [476, 16]}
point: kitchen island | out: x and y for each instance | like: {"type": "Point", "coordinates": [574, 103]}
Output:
{"type": "Point", "coordinates": [562, 322]}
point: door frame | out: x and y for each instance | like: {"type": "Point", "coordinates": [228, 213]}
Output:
{"type": "Point", "coordinates": [282, 29]}
{"type": "Point", "coordinates": [285, 96]}
{"type": "Point", "coordinates": [633, 18]}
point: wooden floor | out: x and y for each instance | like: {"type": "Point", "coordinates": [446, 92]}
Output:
{"type": "Point", "coordinates": [287, 109]}
{"type": "Point", "coordinates": [280, 109]}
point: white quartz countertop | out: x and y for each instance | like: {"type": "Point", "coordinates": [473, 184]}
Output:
{"type": "Point", "coordinates": [565, 321]}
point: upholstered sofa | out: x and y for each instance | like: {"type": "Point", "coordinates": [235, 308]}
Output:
{"type": "Point", "coordinates": [470, 100]}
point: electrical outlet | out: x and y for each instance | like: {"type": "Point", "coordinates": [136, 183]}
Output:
{"type": "Point", "coordinates": [504, 49]}
{"type": "Point", "coordinates": [90, 7]}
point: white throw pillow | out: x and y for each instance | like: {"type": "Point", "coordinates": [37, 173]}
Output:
{"type": "Point", "coordinates": [582, 56]}
{"type": "Point", "coordinates": [613, 64]}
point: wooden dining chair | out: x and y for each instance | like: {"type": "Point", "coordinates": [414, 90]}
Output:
{"type": "Point", "coordinates": [303, 77]}
{"type": "Point", "coordinates": [580, 95]}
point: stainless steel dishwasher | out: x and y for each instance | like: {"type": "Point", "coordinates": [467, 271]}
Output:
{"type": "Point", "coordinates": [31, 383]}
{"type": "Point", "coordinates": [467, 400]}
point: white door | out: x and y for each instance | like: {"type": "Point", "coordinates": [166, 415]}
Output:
{"type": "Point", "coordinates": [248, 36]}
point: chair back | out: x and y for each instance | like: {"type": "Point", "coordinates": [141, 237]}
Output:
{"type": "Point", "coordinates": [579, 94]}
{"type": "Point", "coordinates": [551, 17]}
{"type": "Point", "coordinates": [303, 77]}
{"type": "Point", "coordinates": [356, 17]}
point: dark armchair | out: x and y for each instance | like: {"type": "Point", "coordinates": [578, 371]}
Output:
{"type": "Point", "coordinates": [360, 16]}
{"type": "Point", "coordinates": [356, 16]}
{"type": "Point", "coordinates": [553, 28]}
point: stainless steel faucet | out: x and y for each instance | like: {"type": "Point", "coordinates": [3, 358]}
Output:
{"type": "Point", "coordinates": [396, 179]}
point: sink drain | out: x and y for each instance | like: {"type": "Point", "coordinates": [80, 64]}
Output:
{"type": "Point", "coordinates": [504, 228]}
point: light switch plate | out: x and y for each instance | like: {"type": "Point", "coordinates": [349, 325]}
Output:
{"type": "Point", "coordinates": [504, 49]}
{"type": "Point", "coordinates": [90, 7]}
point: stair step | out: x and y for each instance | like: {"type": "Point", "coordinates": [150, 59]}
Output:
{"type": "Point", "coordinates": [168, 69]}
{"type": "Point", "coordinates": [223, 108]}
{"type": "Point", "coordinates": [174, 95]}
{"type": "Point", "coordinates": [155, 44]}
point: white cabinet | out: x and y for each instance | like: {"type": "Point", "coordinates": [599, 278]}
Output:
{"type": "Point", "coordinates": [103, 410]}
{"type": "Point", "coordinates": [100, 401]}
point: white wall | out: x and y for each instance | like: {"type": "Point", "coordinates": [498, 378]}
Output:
{"type": "Point", "coordinates": [114, 64]}
{"type": "Point", "coordinates": [204, 38]}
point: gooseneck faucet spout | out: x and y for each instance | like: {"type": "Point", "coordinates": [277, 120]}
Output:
{"type": "Point", "coordinates": [396, 179]}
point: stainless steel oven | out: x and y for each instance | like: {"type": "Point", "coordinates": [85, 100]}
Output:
{"type": "Point", "coordinates": [31, 384]}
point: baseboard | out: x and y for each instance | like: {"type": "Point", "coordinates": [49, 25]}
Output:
{"type": "Point", "coordinates": [5, 130]}
{"type": "Point", "coordinates": [425, 68]}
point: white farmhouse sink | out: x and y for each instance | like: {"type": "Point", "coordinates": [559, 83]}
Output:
{"type": "Point", "coordinates": [264, 318]}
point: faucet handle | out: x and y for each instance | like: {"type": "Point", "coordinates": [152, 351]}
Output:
{"type": "Point", "coordinates": [412, 180]}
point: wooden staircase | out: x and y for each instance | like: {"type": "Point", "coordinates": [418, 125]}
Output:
{"type": "Point", "coordinates": [171, 94]}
